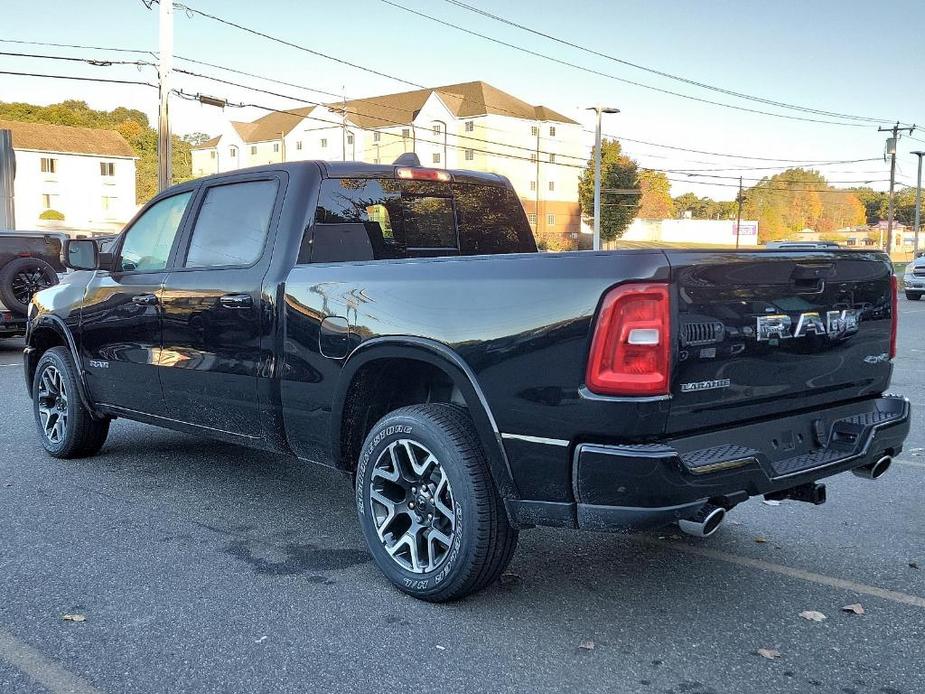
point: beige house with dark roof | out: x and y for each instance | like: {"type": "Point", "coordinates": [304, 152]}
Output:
{"type": "Point", "coordinates": [471, 125]}
{"type": "Point", "coordinates": [85, 174]}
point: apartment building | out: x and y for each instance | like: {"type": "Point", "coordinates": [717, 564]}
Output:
{"type": "Point", "coordinates": [74, 179]}
{"type": "Point", "coordinates": [471, 125]}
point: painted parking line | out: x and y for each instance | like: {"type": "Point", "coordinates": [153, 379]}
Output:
{"type": "Point", "coordinates": [40, 668]}
{"type": "Point", "coordinates": [821, 579]}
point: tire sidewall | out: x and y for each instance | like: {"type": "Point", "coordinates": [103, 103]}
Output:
{"type": "Point", "coordinates": [52, 358]}
{"type": "Point", "coordinates": [454, 568]}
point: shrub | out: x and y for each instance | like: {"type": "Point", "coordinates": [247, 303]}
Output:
{"type": "Point", "coordinates": [52, 215]}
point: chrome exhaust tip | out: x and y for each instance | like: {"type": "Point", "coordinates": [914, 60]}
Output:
{"type": "Point", "coordinates": [874, 470]}
{"type": "Point", "coordinates": [705, 523]}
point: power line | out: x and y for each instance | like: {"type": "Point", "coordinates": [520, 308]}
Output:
{"type": "Point", "coordinates": [611, 76]}
{"type": "Point", "coordinates": [89, 61]}
{"type": "Point", "coordinates": [284, 42]}
{"type": "Point", "coordinates": [79, 79]}
{"type": "Point", "coordinates": [370, 101]}
{"type": "Point", "coordinates": [761, 168]}
{"type": "Point", "coordinates": [715, 154]}
{"type": "Point", "coordinates": [729, 92]}
{"type": "Point", "coordinates": [704, 175]}
{"type": "Point", "coordinates": [74, 45]}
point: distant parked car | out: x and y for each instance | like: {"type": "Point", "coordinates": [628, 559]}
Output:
{"type": "Point", "coordinates": [802, 245]}
{"type": "Point", "coordinates": [914, 279]}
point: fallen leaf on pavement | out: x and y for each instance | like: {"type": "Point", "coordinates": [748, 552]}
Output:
{"type": "Point", "coordinates": [760, 539]}
{"type": "Point", "coordinates": [813, 616]}
{"type": "Point", "coordinates": [770, 502]}
{"type": "Point", "coordinates": [509, 579]}
{"type": "Point", "coordinates": [768, 653]}
{"type": "Point", "coordinates": [854, 607]}
{"type": "Point", "coordinates": [74, 618]}
{"type": "Point", "coordinates": [913, 565]}
{"type": "Point", "coordinates": [587, 645]}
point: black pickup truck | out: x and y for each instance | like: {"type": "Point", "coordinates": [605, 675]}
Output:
{"type": "Point", "coordinates": [397, 323]}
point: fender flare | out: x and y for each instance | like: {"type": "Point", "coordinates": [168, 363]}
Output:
{"type": "Point", "coordinates": [439, 355]}
{"type": "Point", "coordinates": [59, 327]}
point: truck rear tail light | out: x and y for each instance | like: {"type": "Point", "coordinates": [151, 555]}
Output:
{"type": "Point", "coordinates": [423, 174]}
{"type": "Point", "coordinates": [894, 314]}
{"type": "Point", "coordinates": [631, 347]}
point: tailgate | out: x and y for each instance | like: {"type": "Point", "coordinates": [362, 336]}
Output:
{"type": "Point", "coordinates": [765, 332]}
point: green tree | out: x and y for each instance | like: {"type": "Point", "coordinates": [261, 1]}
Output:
{"type": "Point", "coordinates": [704, 208]}
{"type": "Point", "coordinates": [196, 138]}
{"type": "Point", "coordinates": [131, 123]}
{"type": "Point", "coordinates": [786, 203]}
{"type": "Point", "coordinates": [617, 171]}
{"type": "Point", "coordinates": [656, 202]}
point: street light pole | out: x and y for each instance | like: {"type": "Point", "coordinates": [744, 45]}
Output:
{"type": "Point", "coordinates": [598, 110]}
{"type": "Point", "coordinates": [918, 201]}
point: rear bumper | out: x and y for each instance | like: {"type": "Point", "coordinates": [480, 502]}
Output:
{"type": "Point", "coordinates": [639, 486]}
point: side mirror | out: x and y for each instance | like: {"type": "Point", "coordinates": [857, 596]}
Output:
{"type": "Point", "coordinates": [81, 254]}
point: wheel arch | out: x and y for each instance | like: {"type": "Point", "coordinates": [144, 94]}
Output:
{"type": "Point", "coordinates": [437, 356]}
{"type": "Point", "coordinates": [49, 331]}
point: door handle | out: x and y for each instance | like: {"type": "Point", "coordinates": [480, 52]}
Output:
{"type": "Point", "coordinates": [145, 300]}
{"type": "Point", "coordinates": [237, 301]}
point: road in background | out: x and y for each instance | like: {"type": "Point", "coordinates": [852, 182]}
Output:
{"type": "Point", "coordinates": [205, 567]}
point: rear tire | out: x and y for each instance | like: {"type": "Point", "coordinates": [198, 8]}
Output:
{"type": "Point", "coordinates": [20, 279]}
{"type": "Point", "coordinates": [66, 428]}
{"type": "Point", "coordinates": [913, 297]}
{"type": "Point", "coordinates": [429, 510]}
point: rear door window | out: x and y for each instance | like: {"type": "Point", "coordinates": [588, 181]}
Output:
{"type": "Point", "coordinates": [371, 219]}
{"type": "Point", "coordinates": [232, 224]}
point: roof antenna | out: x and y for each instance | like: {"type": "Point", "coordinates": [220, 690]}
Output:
{"type": "Point", "coordinates": [407, 159]}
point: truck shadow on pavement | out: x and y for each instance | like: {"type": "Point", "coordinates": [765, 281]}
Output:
{"type": "Point", "coordinates": [268, 511]}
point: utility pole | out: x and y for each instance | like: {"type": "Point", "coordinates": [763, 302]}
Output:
{"type": "Point", "coordinates": [918, 201]}
{"type": "Point", "coordinates": [537, 204]}
{"type": "Point", "coordinates": [739, 213]}
{"type": "Point", "coordinates": [598, 110]}
{"type": "Point", "coordinates": [891, 150]}
{"type": "Point", "coordinates": [165, 65]}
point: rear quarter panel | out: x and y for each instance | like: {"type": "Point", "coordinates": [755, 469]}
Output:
{"type": "Point", "coordinates": [520, 322]}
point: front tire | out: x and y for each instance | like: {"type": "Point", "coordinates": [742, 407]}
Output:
{"type": "Point", "coordinates": [66, 428]}
{"type": "Point", "coordinates": [429, 510]}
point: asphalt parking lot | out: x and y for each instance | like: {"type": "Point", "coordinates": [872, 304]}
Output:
{"type": "Point", "coordinates": [202, 567]}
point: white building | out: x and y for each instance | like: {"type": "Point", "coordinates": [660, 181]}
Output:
{"type": "Point", "coordinates": [472, 125]}
{"type": "Point", "coordinates": [86, 175]}
{"type": "Point", "coordinates": [704, 232]}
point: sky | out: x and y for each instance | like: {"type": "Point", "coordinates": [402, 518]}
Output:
{"type": "Point", "coordinates": [845, 56]}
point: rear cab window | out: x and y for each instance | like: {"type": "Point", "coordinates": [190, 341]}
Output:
{"type": "Point", "coordinates": [380, 218]}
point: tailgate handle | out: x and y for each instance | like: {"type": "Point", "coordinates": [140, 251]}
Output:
{"type": "Point", "coordinates": [816, 271]}
{"type": "Point", "coordinates": [811, 278]}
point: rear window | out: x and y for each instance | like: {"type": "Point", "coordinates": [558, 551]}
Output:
{"type": "Point", "coordinates": [371, 219]}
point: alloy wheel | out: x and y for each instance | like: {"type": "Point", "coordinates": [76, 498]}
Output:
{"type": "Point", "coordinates": [52, 404]}
{"type": "Point", "coordinates": [27, 282]}
{"type": "Point", "coordinates": [412, 506]}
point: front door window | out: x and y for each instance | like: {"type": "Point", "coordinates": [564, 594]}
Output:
{"type": "Point", "coordinates": [148, 241]}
